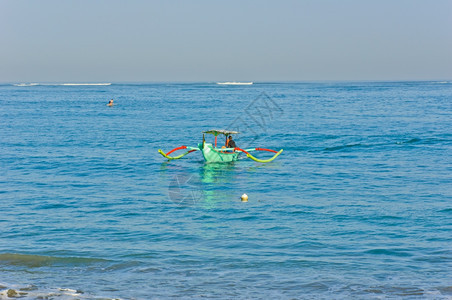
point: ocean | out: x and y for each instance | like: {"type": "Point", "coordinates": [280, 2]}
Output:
{"type": "Point", "coordinates": [358, 205]}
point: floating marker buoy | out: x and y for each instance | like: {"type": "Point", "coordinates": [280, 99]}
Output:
{"type": "Point", "coordinates": [244, 198]}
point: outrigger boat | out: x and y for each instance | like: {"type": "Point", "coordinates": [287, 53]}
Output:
{"type": "Point", "coordinates": [212, 153]}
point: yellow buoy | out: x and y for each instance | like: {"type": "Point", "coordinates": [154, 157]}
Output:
{"type": "Point", "coordinates": [244, 198]}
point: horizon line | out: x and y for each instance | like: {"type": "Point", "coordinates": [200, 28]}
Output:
{"type": "Point", "coordinates": [107, 83]}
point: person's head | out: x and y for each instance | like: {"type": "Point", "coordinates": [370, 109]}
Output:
{"type": "Point", "coordinates": [230, 138]}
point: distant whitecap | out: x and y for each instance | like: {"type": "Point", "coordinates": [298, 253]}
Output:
{"type": "Point", "coordinates": [235, 83]}
{"type": "Point", "coordinates": [26, 84]}
{"type": "Point", "coordinates": [63, 84]}
{"type": "Point", "coordinates": [79, 84]}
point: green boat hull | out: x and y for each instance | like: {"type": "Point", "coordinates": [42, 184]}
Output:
{"type": "Point", "coordinates": [212, 154]}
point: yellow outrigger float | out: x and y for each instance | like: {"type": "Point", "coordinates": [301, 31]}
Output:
{"type": "Point", "coordinates": [212, 153]}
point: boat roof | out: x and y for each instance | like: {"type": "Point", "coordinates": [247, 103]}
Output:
{"type": "Point", "coordinates": [216, 132]}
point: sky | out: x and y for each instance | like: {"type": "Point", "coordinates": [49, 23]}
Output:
{"type": "Point", "coordinates": [212, 40]}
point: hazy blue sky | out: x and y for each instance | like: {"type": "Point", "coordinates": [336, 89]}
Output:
{"type": "Point", "coordinates": [142, 40]}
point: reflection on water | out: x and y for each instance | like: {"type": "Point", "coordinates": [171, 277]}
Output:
{"type": "Point", "coordinates": [209, 185]}
{"type": "Point", "coordinates": [205, 184]}
{"type": "Point", "coordinates": [219, 173]}
{"type": "Point", "coordinates": [215, 181]}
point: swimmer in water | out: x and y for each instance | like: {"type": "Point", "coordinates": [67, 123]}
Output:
{"type": "Point", "coordinates": [110, 103]}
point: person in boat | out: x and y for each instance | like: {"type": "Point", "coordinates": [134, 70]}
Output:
{"type": "Point", "coordinates": [110, 103]}
{"type": "Point", "coordinates": [231, 143]}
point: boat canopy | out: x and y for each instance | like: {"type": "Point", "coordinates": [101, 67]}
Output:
{"type": "Point", "coordinates": [217, 132]}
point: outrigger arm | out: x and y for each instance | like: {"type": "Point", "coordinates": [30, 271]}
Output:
{"type": "Point", "coordinates": [260, 149]}
{"type": "Point", "coordinates": [191, 149]}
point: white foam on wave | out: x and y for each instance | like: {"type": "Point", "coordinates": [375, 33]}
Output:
{"type": "Point", "coordinates": [33, 292]}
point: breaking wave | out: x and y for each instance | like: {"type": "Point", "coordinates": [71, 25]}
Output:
{"type": "Point", "coordinates": [87, 84]}
{"type": "Point", "coordinates": [235, 83]}
{"type": "Point", "coordinates": [34, 292]}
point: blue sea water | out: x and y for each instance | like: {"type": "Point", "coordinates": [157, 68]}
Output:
{"type": "Point", "coordinates": [359, 204]}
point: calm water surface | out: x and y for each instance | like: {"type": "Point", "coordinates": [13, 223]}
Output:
{"type": "Point", "coordinates": [359, 204]}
